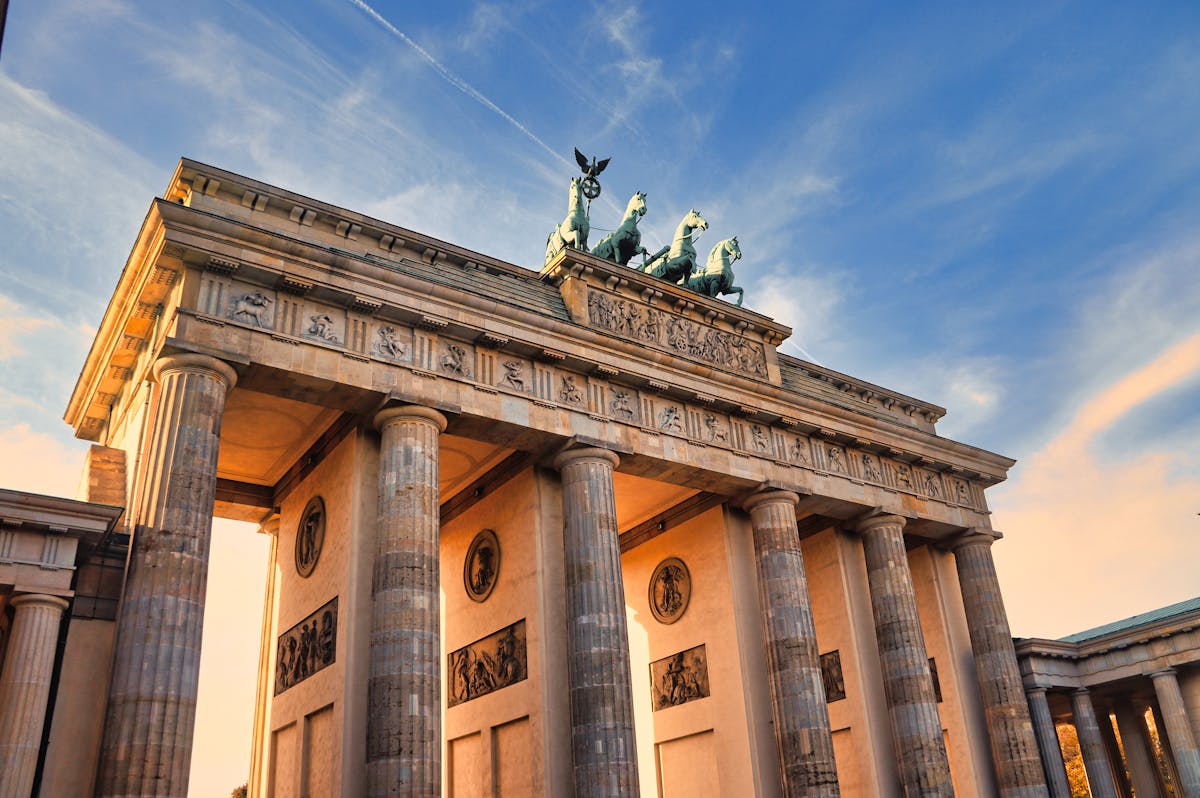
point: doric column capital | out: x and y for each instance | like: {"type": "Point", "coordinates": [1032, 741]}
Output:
{"type": "Point", "coordinates": [771, 497]}
{"type": "Point", "coordinates": [198, 363]}
{"type": "Point", "coordinates": [1081, 692]}
{"type": "Point", "coordinates": [1162, 673]}
{"type": "Point", "coordinates": [1035, 690]}
{"type": "Point", "coordinates": [39, 600]}
{"type": "Point", "coordinates": [586, 453]}
{"type": "Point", "coordinates": [418, 413]}
{"type": "Point", "coordinates": [878, 520]}
{"type": "Point", "coordinates": [975, 536]}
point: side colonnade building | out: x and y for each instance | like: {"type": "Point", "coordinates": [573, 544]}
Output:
{"type": "Point", "coordinates": [571, 532]}
{"type": "Point", "coordinates": [1113, 684]}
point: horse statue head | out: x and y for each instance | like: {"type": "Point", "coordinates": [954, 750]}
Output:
{"type": "Point", "coordinates": [637, 204]}
{"type": "Point", "coordinates": [694, 220]}
{"type": "Point", "coordinates": [716, 278]}
{"type": "Point", "coordinates": [729, 247]}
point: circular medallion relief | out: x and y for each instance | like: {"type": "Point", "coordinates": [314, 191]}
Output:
{"type": "Point", "coordinates": [670, 590]}
{"type": "Point", "coordinates": [310, 536]}
{"type": "Point", "coordinates": [482, 566]}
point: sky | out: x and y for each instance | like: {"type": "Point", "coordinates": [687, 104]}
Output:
{"type": "Point", "coordinates": [989, 206]}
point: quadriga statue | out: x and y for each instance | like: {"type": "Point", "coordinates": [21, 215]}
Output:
{"type": "Point", "coordinates": [716, 278]}
{"type": "Point", "coordinates": [573, 231]}
{"type": "Point", "coordinates": [676, 262]}
{"type": "Point", "coordinates": [623, 243]}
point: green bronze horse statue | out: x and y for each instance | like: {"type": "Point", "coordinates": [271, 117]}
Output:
{"type": "Point", "coordinates": [573, 232]}
{"type": "Point", "coordinates": [676, 262]}
{"type": "Point", "coordinates": [623, 243]}
{"type": "Point", "coordinates": [716, 278]}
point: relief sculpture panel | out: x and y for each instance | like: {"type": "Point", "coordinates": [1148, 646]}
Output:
{"type": "Point", "coordinates": [679, 678]}
{"type": "Point", "coordinates": [637, 322]}
{"type": "Point", "coordinates": [307, 647]}
{"type": "Point", "coordinates": [487, 665]}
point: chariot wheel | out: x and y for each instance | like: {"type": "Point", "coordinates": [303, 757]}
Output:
{"type": "Point", "coordinates": [591, 188]}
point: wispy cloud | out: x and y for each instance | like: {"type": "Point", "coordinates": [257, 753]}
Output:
{"type": "Point", "coordinates": [1095, 538]}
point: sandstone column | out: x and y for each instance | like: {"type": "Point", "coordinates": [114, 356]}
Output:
{"type": "Point", "coordinates": [1179, 731]}
{"type": "Point", "coordinates": [1047, 738]}
{"type": "Point", "coordinates": [1091, 746]}
{"type": "Point", "coordinates": [907, 682]}
{"type": "Point", "coordinates": [1116, 764]}
{"type": "Point", "coordinates": [404, 721]}
{"type": "Point", "coordinates": [605, 759]}
{"type": "Point", "coordinates": [1010, 730]}
{"type": "Point", "coordinates": [25, 688]}
{"type": "Point", "coordinates": [1137, 754]}
{"type": "Point", "coordinates": [147, 747]}
{"type": "Point", "coordinates": [798, 706]}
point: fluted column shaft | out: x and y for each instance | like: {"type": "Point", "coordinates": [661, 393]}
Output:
{"type": "Point", "coordinates": [907, 682]}
{"type": "Point", "coordinates": [1010, 730]}
{"type": "Point", "coordinates": [1137, 754]}
{"type": "Point", "coordinates": [1091, 746]}
{"type": "Point", "coordinates": [602, 740]}
{"type": "Point", "coordinates": [404, 720]}
{"type": "Point", "coordinates": [147, 748]}
{"type": "Point", "coordinates": [1179, 731]}
{"type": "Point", "coordinates": [1047, 740]}
{"type": "Point", "coordinates": [25, 688]}
{"type": "Point", "coordinates": [802, 731]}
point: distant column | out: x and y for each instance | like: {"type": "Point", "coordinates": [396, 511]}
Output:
{"type": "Point", "coordinates": [802, 731]}
{"type": "Point", "coordinates": [1179, 731]}
{"type": "Point", "coordinates": [602, 741]}
{"type": "Point", "coordinates": [1137, 755]}
{"type": "Point", "coordinates": [1010, 730]}
{"type": "Point", "coordinates": [147, 749]}
{"type": "Point", "coordinates": [404, 699]}
{"type": "Point", "coordinates": [1116, 764]}
{"type": "Point", "coordinates": [1091, 746]}
{"type": "Point", "coordinates": [1047, 738]}
{"type": "Point", "coordinates": [907, 682]}
{"type": "Point", "coordinates": [25, 688]}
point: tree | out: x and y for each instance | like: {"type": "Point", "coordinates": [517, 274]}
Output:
{"type": "Point", "coordinates": [1068, 741]}
{"type": "Point", "coordinates": [238, 792]}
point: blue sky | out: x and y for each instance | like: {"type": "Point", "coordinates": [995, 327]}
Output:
{"type": "Point", "coordinates": [990, 207]}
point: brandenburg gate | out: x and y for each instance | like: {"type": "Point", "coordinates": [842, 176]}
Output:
{"type": "Point", "coordinates": [577, 531]}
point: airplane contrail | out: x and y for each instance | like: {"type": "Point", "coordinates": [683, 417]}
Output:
{"type": "Point", "coordinates": [457, 82]}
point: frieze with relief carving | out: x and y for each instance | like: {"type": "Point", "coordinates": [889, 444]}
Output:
{"type": "Point", "coordinates": [682, 336]}
{"type": "Point", "coordinates": [306, 648]}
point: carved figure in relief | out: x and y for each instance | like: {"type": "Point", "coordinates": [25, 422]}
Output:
{"type": "Point", "coordinates": [453, 362]}
{"type": "Point", "coordinates": [676, 262]}
{"type": "Point", "coordinates": [960, 491]}
{"type": "Point", "coordinates": [388, 345]}
{"type": "Point", "coordinates": [716, 278]}
{"type": "Point", "coordinates": [487, 665]}
{"type": "Point", "coordinates": [716, 431]}
{"type": "Point", "coordinates": [570, 391]}
{"type": "Point", "coordinates": [670, 420]}
{"type": "Point", "coordinates": [931, 487]}
{"type": "Point", "coordinates": [621, 406]}
{"type": "Point", "coordinates": [514, 374]}
{"type": "Point", "coordinates": [623, 243]}
{"type": "Point", "coordinates": [573, 230]}
{"type": "Point", "coordinates": [836, 461]}
{"type": "Point", "coordinates": [904, 476]}
{"type": "Point", "coordinates": [679, 678]}
{"type": "Point", "coordinates": [870, 469]}
{"type": "Point", "coordinates": [327, 643]}
{"type": "Point", "coordinates": [322, 327]}
{"type": "Point", "coordinates": [799, 450]}
{"type": "Point", "coordinates": [255, 306]}
{"type": "Point", "coordinates": [758, 438]}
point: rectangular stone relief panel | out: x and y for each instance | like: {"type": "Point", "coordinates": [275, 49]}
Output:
{"type": "Point", "coordinates": [799, 450]}
{"type": "Point", "coordinates": [320, 742]}
{"type": "Point", "coordinates": [512, 755]}
{"type": "Point", "coordinates": [513, 373]}
{"type": "Point", "coordinates": [323, 324]}
{"type": "Point", "coordinates": [713, 428]}
{"type": "Point", "coordinates": [391, 342]}
{"type": "Point", "coordinates": [307, 647]}
{"type": "Point", "coordinates": [487, 665]}
{"type": "Point", "coordinates": [836, 460]}
{"type": "Point", "coordinates": [669, 417]}
{"type": "Point", "coordinates": [622, 404]}
{"type": "Point", "coordinates": [831, 676]}
{"type": "Point", "coordinates": [455, 359]}
{"type": "Point", "coordinates": [870, 467]}
{"type": "Point", "coordinates": [930, 483]}
{"type": "Point", "coordinates": [679, 678]}
{"type": "Point", "coordinates": [636, 321]}
{"type": "Point", "coordinates": [243, 304]}
{"type": "Point", "coordinates": [465, 768]}
{"type": "Point", "coordinates": [688, 765]}
{"type": "Point", "coordinates": [569, 389]}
